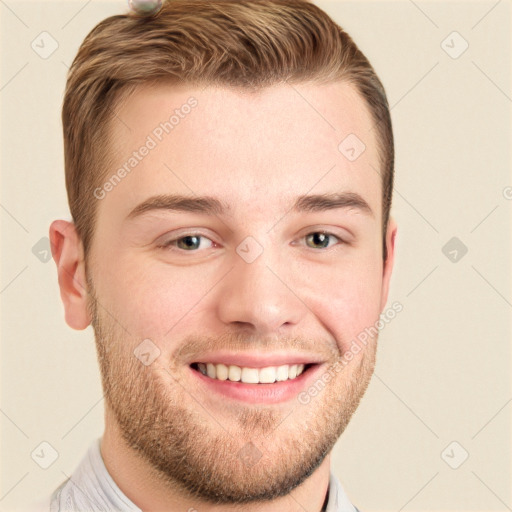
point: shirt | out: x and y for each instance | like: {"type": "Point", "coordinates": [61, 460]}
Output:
{"type": "Point", "coordinates": [91, 488]}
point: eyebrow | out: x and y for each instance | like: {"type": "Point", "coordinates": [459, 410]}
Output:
{"type": "Point", "coordinates": [212, 206]}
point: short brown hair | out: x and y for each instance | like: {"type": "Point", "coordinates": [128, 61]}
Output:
{"type": "Point", "coordinates": [239, 43]}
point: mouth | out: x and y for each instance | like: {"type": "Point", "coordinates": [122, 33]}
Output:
{"type": "Point", "coordinates": [249, 384]}
{"type": "Point", "coordinates": [248, 375]}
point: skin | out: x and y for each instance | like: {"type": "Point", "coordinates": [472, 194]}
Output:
{"type": "Point", "coordinates": [255, 152]}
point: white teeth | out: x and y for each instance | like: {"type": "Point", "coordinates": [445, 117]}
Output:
{"type": "Point", "coordinates": [211, 371]}
{"type": "Point", "coordinates": [250, 375]}
{"type": "Point", "coordinates": [222, 372]}
{"type": "Point", "coordinates": [267, 375]}
{"type": "Point", "coordinates": [235, 372]}
{"type": "Point", "coordinates": [282, 373]}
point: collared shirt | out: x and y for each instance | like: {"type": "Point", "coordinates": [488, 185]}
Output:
{"type": "Point", "coordinates": [91, 488]}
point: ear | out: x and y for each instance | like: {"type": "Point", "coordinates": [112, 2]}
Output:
{"type": "Point", "coordinates": [67, 251]}
{"type": "Point", "coordinates": [388, 264]}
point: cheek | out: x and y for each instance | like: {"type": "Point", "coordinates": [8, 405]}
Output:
{"type": "Point", "coordinates": [344, 298]}
{"type": "Point", "coordinates": [152, 299]}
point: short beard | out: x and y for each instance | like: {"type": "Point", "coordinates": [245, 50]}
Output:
{"type": "Point", "coordinates": [261, 456]}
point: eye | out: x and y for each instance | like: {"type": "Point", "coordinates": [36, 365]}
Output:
{"type": "Point", "coordinates": [192, 242]}
{"type": "Point", "coordinates": [189, 243]}
{"type": "Point", "coordinates": [321, 239]}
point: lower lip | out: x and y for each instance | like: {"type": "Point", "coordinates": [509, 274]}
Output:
{"type": "Point", "coordinates": [260, 393]}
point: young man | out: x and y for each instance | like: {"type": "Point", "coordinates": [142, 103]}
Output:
{"type": "Point", "coordinates": [229, 168]}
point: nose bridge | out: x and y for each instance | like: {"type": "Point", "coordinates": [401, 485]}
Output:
{"type": "Point", "coordinates": [255, 291]}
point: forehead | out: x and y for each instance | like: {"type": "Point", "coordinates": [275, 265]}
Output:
{"type": "Point", "coordinates": [243, 146]}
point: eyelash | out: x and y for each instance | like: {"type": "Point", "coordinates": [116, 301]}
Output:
{"type": "Point", "coordinates": [170, 243]}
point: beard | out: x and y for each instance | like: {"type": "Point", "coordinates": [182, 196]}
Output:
{"type": "Point", "coordinates": [232, 454]}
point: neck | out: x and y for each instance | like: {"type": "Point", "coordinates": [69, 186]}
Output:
{"type": "Point", "coordinates": [141, 484]}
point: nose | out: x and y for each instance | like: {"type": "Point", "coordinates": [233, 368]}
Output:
{"type": "Point", "coordinates": [260, 296]}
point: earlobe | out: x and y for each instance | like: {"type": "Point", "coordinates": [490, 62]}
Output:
{"type": "Point", "coordinates": [388, 264]}
{"type": "Point", "coordinates": [67, 251]}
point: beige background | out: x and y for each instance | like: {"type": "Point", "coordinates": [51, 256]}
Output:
{"type": "Point", "coordinates": [443, 371]}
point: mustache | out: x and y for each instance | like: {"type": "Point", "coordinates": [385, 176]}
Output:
{"type": "Point", "coordinates": [194, 345]}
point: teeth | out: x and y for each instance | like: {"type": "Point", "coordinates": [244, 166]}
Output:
{"type": "Point", "coordinates": [267, 375]}
{"type": "Point", "coordinates": [211, 371]}
{"type": "Point", "coordinates": [282, 373]}
{"type": "Point", "coordinates": [222, 372]}
{"type": "Point", "coordinates": [235, 373]}
{"type": "Point", "coordinates": [250, 375]}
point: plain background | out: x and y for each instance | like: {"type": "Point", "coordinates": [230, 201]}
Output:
{"type": "Point", "coordinates": [443, 370]}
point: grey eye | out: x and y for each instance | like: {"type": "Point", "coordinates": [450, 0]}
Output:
{"type": "Point", "coordinates": [320, 240]}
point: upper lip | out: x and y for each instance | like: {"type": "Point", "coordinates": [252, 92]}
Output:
{"type": "Point", "coordinates": [257, 359]}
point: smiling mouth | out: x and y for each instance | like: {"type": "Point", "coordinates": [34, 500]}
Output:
{"type": "Point", "coordinates": [247, 375]}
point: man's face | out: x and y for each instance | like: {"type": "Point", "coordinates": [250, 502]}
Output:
{"type": "Point", "coordinates": [259, 285]}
